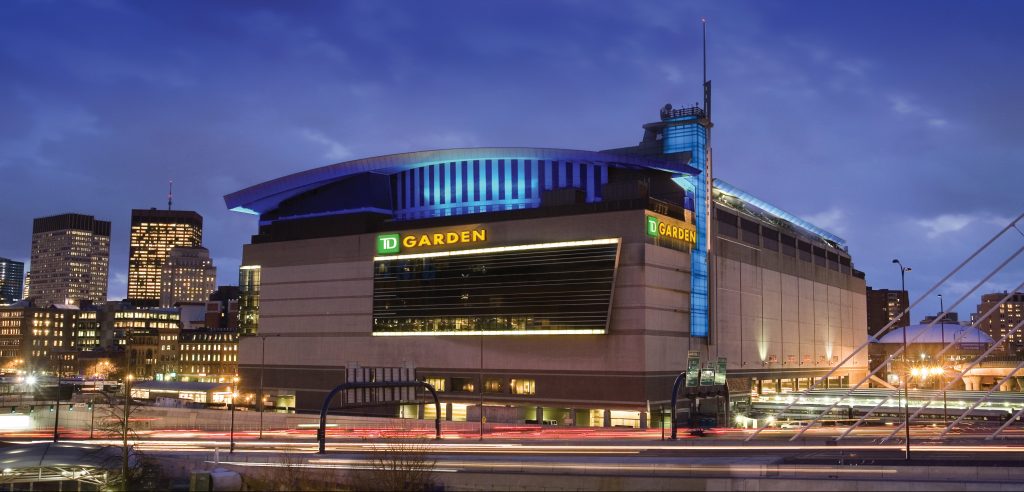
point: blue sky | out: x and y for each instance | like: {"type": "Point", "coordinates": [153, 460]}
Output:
{"type": "Point", "coordinates": [893, 124]}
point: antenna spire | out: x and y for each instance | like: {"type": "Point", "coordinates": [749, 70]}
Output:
{"type": "Point", "coordinates": [170, 193]}
{"type": "Point", "coordinates": [704, 26]}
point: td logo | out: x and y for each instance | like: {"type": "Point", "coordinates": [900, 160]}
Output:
{"type": "Point", "coordinates": [387, 244]}
{"type": "Point", "coordinates": [652, 226]}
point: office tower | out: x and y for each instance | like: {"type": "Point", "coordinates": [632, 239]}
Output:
{"type": "Point", "coordinates": [1002, 322]}
{"type": "Point", "coordinates": [70, 259]}
{"type": "Point", "coordinates": [154, 233]}
{"type": "Point", "coordinates": [884, 305]}
{"type": "Point", "coordinates": [11, 273]}
{"type": "Point", "coordinates": [188, 276]}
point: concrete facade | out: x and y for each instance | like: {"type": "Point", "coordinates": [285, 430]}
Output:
{"type": "Point", "coordinates": [316, 321]}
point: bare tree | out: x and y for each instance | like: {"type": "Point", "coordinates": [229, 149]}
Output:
{"type": "Point", "coordinates": [293, 474]}
{"type": "Point", "coordinates": [118, 422]}
{"type": "Point", "coordinates": [397, 465]}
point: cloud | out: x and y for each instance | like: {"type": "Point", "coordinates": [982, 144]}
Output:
{"type": "Point", "coordinates": [946, 223]}
{"type": "Point", "coordinates": [832, 220]}
{"type": "Point", "coordinates": [335, 150]}
{"type": "Point", "coordinates": [905, 106]}
{"type": "Point", "coordinates": [50, 124]}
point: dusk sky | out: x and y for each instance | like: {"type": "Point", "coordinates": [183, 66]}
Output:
{"type": "Point", "coordinates": [896, 125]}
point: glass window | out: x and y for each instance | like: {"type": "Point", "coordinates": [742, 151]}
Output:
{"type": "Point", "coordinates": [493, 385]}
{"type": "Point", "coordinates": [467, 385]}
{"type": "Point", "coordinates": [522, 290]}
{"type": "Point", "coordinates": [751, 231]}
{"type": "Point", "coordinates": [524, 386]}
{"type": "Point", "coordinates": [439, 384]}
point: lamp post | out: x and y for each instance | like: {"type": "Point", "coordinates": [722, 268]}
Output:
{"type": "Point", "coordinates": [481, 386]}
{"type": "Point", "coordinates": [942, 364]}
{"type": "Point", "coordinates": [234, 395]}
{"type": "Point", "coordinates": [906, 374]}
{"type": "Point", "coordinates": [56, 416]}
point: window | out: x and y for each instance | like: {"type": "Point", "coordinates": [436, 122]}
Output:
{"type": "Point", "coordinates": [750, 232]}
{"type": "Point", "coordinates": [439, 384]}
{"type": "Point", "coordinates": [463, 384]}
{"type": "Point", "coordinates": [493, 386]}
{"type": "Point", "coordinates": [805, 250]}
{"type": "Point", "coordinates": [515, 289]}
{"type": "Point", "coordinates": [726, 223]}
{"type": "Point", "coordinates": [819, 256]}
{"type": "Point", "coordinates": [770, 238]}
{"type": "Point", "coordinates": [524, 387]}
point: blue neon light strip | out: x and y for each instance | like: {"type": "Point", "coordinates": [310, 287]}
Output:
{"type": "Point", "coordinates": [777, 212]}
{"type": "Point", "coordinates": [487, 185]}
{"type": "Point", "coordinates": [692, 137]}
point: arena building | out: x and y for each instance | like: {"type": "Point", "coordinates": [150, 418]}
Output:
{"type": "Point", "coordinates": [566, 287]}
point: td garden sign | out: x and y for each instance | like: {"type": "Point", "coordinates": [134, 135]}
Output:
{"type": "Point", "coordinates": [657, 228]}
{"type": "Point", "coordinates": [388, 244]}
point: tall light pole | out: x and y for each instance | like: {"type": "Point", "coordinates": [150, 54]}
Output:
{"type": "Point", "coordinates": [906, 373]}
{"type": "Point", "coordinates": [56, 416]}
{"type": "Point", "coordinates": [482, 418]}
{"type": "Point", "coordinates": [234, 395]}
{"type": "Point", "coordinates": [942, 364]}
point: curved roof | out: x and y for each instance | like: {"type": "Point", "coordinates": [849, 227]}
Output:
{"type": "Point", "coordinates": [934, 334]}
{"type": "Point", "coordinates": [264, 197]}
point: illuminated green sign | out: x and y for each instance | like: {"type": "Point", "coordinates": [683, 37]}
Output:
{"type": "Point", "coordinates": [388, 244]}
{"type": "Point", "coordinates": [656, 228]}
{"type": "Point", "coordinates": [394, 243]}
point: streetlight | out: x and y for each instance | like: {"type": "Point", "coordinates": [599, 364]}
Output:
{"type": "Point", "coordinates": [906, 375]}
{"type": "Point", "coordinates": [942, 364]}
{"type": "Point", "coordinates": [482, 418]}
{"type": "Point", "coordinates": [234, 394]}
{"type": "Point", "coordinates": [56, 416]}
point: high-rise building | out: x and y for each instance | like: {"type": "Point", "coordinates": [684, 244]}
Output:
{"type": "Point", "coordinates": [884, 305]}
{"type": "Point", "coordinates": [11, 273]}
{"type": "Point", "coordinates": [1003, 320]}
{"type": "Point", "coordinates": [24, 292]}
{"type": "Point", "coordinates": [70, 259]}
{"type": "Point", "coordinates": [154, 233]}
{"type": "Point", "coordinates": [188, 276]}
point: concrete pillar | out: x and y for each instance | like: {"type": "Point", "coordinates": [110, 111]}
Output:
{"type": "Point", "coordinates": [607, 417]}
{"type": "Point", "coordinates": [540, 415]}
{"type": "Point", "coordinates": [572, 416]}
{"type": "Point", "coordinates": [419, 411]}
{"type": "Point", "coordinates": [643, 419]}
{"type": "Point", "coordinates": [448, 411]}
{"type": "Point", "coordinates": [1007, 386]}
{"type": "Point", "coordinates": [972, 383]}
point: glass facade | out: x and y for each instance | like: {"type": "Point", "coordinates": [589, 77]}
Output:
{"type": "Point", "coordinates": [249, 299]}
{"type": "Point", "coordinates": [557, 288]}
{"type": "Point", "coordinates": [683, 134]}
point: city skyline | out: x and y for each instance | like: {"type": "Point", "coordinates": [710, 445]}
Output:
{"type": "Point", "coordinates": [904, 137]}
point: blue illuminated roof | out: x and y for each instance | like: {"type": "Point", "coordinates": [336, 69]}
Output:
{"type": "Point", "coordinates": [777, 212]}
{"type": "Point", "coordinates": [267, 196]}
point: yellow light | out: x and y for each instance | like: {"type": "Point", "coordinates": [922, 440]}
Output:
{"type": "Point", "coordinates": [499, 249]}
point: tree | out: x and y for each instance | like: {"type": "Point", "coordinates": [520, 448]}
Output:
{"type": "Point", "coordinates": [118, 421]}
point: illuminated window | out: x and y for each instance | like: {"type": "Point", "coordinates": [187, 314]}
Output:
{"type": "Point", "coordinates": [524, 386]}
{"type": "Point", "coordinates": [493, 386]}
{"type": "Point", "coordinates": [439, 384]}
{"type": "Point", "coordinates": [463, 384]}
